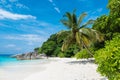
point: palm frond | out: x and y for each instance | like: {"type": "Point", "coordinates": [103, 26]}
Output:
{"type": "Point", "coordinates": [74, 20]}
{"type": "Point", "coordinates": [74, 10]}
{"type": "Point", "coordinates": [88, 33]}
{"type": "Point", "coordinates": [83, 41]}
{"type": "Point", "coordinates": [78, 39]}
{"type": "Point", "coordinates": [69, 16]}
{"type": "Point", "coordinates": [67, 42]}
{"type": "Point", "coordinates": [68, 20]}
{"type": "Point", "coordinates": [88, 23]}
{"type": "Point", "coordinates": [84, 37]}
{"type": "Point", "coordinates": [92, 34]}
{"type": "Point", "coordinates": [86, 40]}
{"type": "Point", "coordinates": [81, 18]}
{"type": "Point", "coordinates": [99, 36]}
{"type": "Point", "coordinates": [66, 23]}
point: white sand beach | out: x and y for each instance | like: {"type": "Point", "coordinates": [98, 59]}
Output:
{"type": "Point", "coordinates": [55, 69]}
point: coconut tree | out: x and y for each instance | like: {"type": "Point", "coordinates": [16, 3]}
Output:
{"type": "Point", "coordinates": [80, 34]}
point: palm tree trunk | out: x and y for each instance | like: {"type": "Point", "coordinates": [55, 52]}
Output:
{"type": "Point", "coordinates": [74, 31]}
{"type": "Point", "coordinates": [87, 48]}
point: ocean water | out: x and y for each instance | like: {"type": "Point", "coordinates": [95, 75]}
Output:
{"type": "Point", "coordinates": [6, 60]}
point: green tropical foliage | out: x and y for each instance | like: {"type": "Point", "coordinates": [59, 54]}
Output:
{"type": "Point", "coordinates": [108, 59]}
{"type": "Point", "coordinates": [101, 24]}
{"type": "Point", "coordinates": [36, 49]}
{"type": "Point", "coordinates": [79, 33]}
{"type": "Point", "coordinates": [52, 47]}
{"type": "Point", "coordinates": [109, 24]}
{"type": "Point", "coordinates": [114, 6]}
{"type": "Point", "coordinates": [82, 54]}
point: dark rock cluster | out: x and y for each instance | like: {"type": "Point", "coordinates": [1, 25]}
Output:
{"type": "Point", "coordinates": [29, 56]}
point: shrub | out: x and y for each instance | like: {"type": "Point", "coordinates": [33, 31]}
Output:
{"type": "Point", "coordinates": [82, 54]}
{"type": "Point", "coordinates": [108, 59]}
{"type": "Point", "coordinates": [61, 55]}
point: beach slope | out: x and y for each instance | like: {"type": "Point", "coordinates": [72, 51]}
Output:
{"type": "Point", "coordinates": [68, 69]}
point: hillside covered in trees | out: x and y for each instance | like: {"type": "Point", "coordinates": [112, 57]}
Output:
{"type": "Point", "coordinates": [52, 47]}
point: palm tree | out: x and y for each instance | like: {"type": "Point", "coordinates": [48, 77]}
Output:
{"type": "Point", "coordinates": [79, 33]}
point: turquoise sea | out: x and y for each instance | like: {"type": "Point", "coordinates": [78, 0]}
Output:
{"type": "Point", "coordinates": [7, 60]}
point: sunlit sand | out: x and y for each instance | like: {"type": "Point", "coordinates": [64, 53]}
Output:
{"type": "Point", "coordinates": [54, 69]}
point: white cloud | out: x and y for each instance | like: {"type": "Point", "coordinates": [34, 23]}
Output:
{"type": "Point", "coordinates": [10, 4]}
{"type": "Point", "coordinates": [57, 9]}
{"type": "Point", "coordinates": [31, 39]}
{"type": "Point", "coordinates": [18, 49]}
{"type": "Point", "coordinates": [44, 24]}
{"type": "Point", "coordinates": [21, 6]}
{"type": "Point", "coordinates": [8, 15]}
{"type": "Point", "coordinates": [49, 26]}
{"type": "Point", "coordinates": [10, 46]}
{"type": "Point", "coordinates": [54, 5]}
{"type": "Point", "coordinates": [26, 37]}
{"type": "Point", "coordinates": [46, 28]}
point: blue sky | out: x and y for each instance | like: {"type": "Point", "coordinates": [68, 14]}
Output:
{"type": "Point", "coordinates": [26, 24]}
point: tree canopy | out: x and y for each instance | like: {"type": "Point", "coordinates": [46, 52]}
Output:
{"type": "Point", "coordinates": [109, 24]}
{"type": "Point", "coordinates": [79, 34]}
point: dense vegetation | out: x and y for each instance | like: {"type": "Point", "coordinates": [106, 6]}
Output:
{"type": "Point", "coordinates": [68, 43]}
{"type": "Point", "coordinates": [109, 24]}
{"type": "Point", "coordinates": [52, 47]}
{"type": "Point", "coordinates": [108, 58]}
{"type": "Point", "coordinates": [81, 42]}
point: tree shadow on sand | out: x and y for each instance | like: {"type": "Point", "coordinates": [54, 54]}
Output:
{"type": "Point", "coordinates": [86, 61]}
{"type": "Point", "coordinates": [83, 61]}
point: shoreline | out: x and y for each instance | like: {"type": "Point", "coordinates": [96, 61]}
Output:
{"type": "Point", "coordinates": [52, 69]}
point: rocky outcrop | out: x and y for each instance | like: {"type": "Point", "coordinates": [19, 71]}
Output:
{"type": "Point", "coordinates": [29, 56]}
